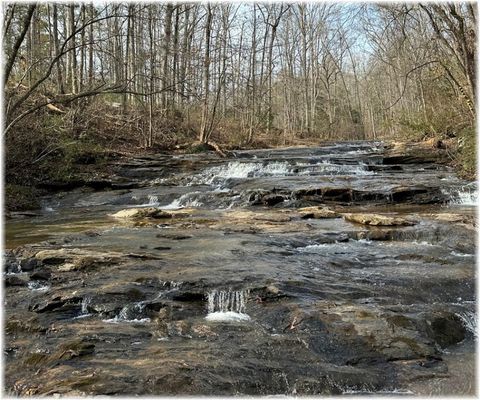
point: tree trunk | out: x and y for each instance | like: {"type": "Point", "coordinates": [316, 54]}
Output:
{"type": "Point", "coordinates": [204, 133]}
{"type": "Point", "coordinates": [166, 90]}
{"type": "Point", "coordinates": [73, 52]}
{"type": "Point", "coordinates": [13, 56]}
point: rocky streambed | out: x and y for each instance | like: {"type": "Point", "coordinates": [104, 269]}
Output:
{"type": "Point", "coordinates": [347, 268]}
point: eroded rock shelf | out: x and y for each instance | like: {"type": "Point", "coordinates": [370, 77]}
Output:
{"type": "Point", "coordinates": [339, 269]}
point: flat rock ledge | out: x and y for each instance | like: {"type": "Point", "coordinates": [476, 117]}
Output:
{"type": "Point", "coordinates": [377, 220]}
{"type": "Point", "coordinates": [317, 213]}
{"type": "Point", "coordinates": [139, 213]}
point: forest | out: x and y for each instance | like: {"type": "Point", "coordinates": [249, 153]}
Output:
{"type": "Point", "coordinates": [240, 199]}
{"type": "Point", "coordinates": [95, 79]}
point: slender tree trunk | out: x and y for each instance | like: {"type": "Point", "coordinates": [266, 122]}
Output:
{"type": "Point", "coordinates": [166, 57]}
{"type": "Point", "coordinates": [127, 56]}
{"type": "Point", "coordinates": [13, 56]}
{"type": "Point", "coordinates": [185, 53]}
{"type": "Point", "coordinates": [90, 47]}
{"type": "Point", "coordinates": [253, 70]}
{"type": "Point", "coordinates": [175, 67]}
{"type": "Point", "coordinates": [73, 50]}
{"type": "Point", "coordinates": [60, 86]}
{"type": "Point", "coordinates": [204, 133]}
{"type": "Point", "coordinates": [83, 16]}
{"type": "Point", "coordinates": [151, 87]}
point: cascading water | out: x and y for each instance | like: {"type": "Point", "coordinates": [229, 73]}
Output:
{"type": "Point", "coordinates": [244, 170]}
{"type": "Point", "coordinates": [153, 200]}
{"type": "Point", "coordinates": [240, 170]}
{"type": "Point", "coordinates": [85, 303]}
{"type": "Point", "coordinates": [328, 168]}
{"type": "Point", "coordinates": [469, 320]}
{"type": "Point", "coordinates": [130, 313]}
{"type": "Point", "coordinates": [186, 200]}
{"type": "Point", "coordinates": [466, 195]}
{"type": "Point", "coordinates": [227, 305]}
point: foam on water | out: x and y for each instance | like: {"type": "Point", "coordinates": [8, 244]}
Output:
{"type": "Point", "coordinates": [315, 248]}
{"type": "Point", "coordinates": [117, 320]}
{"type": "Point", "coordinates": [38, 286]}
{"type": "Point", "coordinates": [456, 254]}
{"type": "Point", "coordinates": [401, 392]}
{"type": "Point", "coordinates": [228, 316]}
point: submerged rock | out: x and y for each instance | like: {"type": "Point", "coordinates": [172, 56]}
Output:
{"type": "Point", "coordinates": [377, 220]}
{"type": "Point", "coordinates": [43, 275]}
{"type": "Point", "coordinates": [15, 281]}
{"type": "Point", "coordinates": [73, 259]}
{"type": "Point", "coordinates": [446, 329]}
{"type": "Point", "coordinates": [29, 264]}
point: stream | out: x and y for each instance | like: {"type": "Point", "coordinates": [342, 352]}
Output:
{"type": "Point", "coordinates": [266, 273]}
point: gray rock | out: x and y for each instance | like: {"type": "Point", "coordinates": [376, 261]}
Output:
{"type": "Point", "coordinates": [29, 264]}
{"type": "Point", "coordinates": [14, 281]}
{"type": "Point", "coordinates": [43, 275]}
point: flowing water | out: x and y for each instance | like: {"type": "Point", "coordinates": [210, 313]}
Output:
{"type": "Point", "coordinates": [242, 291]}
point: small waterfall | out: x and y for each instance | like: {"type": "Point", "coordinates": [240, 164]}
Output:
{"type": "Point", "coordinates": [153, 200]}
{"type": "Point", "coordinates": [85, 303]}
{"type": "Point", "coordinates": [469, 320]}
{"type": "Point", "coordinates": [150, 201]}
{"type": "Point", "coordinates": [172, 285]}
{"type": "Point", "coordinates": [130, 313]}
{"type": "Point", "coordinates": [227, 305]}
{"type": "Point", "coordinates": [84, 308]}
{"type": "Point", "coordinates": [466, 195]}
{"type": "Point", "coordinates": [186, 200]}
{"type": "Point", "coordinates": [360, 169]}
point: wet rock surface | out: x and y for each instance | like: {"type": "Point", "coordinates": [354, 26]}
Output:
{"type": "Point", "coordinates": [288, 271]}
{"type": "Point", "coordinates": [376, 220]}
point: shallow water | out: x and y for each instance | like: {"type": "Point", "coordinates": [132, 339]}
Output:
{"type": "Point", "coordinates": [239, 293]}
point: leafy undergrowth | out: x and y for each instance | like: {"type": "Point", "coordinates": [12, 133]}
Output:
{"type": "Point", "coordinates": [467, 153]}
{"type": "Point", "coordinates": [20, 198]}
